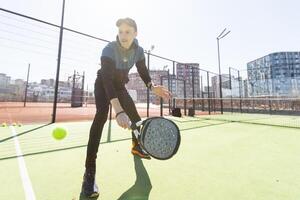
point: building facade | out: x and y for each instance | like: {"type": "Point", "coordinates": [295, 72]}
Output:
{"type": "Point", "coordinates": [174, 83]}
{"type": "Point", "coordinates": [231, 86]}
{"type": "Point", "coordinates": [276, 74]}
{"type": "Point", "coordinates": [136, 83]}
{"type": "Point", "coordinates": [188, 72]}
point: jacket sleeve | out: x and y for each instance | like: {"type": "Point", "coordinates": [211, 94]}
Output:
{"type": "Point", "coordinates": [107, 71]}
{"type": "Point", "coordinates": [143, 71]}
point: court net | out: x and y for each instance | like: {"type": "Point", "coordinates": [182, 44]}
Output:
{"type": "Point", "coordinates": [283, 112]}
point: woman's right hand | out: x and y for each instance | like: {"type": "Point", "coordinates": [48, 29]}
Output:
{"type": "Point", "coordinates": [123, 120]}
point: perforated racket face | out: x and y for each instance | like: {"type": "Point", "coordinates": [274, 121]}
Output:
{"type": "Point", "coordinates": [160, 138]}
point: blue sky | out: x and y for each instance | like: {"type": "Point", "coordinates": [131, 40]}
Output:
{"type": "Point", "coordinates": [182, 30]}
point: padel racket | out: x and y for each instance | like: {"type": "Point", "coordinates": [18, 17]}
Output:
{"type": "Point", "coordinates": [158, 136]}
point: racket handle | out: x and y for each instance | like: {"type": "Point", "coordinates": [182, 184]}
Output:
{"type": "Point", "coordinates": [139, 123]}
{"type": "Point", "coordinates": [136, 133]}
{"type": "Point", "coordinates": [134, 126]}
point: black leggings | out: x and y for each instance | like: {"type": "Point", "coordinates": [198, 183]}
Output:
{"type": "Point", "coordinates": [102, 105]}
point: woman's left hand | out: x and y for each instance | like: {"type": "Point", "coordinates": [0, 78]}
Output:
{"type": "Point", "coordinates": [161, 91]}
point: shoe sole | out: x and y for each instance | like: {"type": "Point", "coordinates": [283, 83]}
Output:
{"type": "Point", "coordinates": [94, 195]}
{"type": "Point", "coordinates": [137, 153]}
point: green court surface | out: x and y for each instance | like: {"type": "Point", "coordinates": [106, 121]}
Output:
{"type": "Point", "coordinates": [217, 160]}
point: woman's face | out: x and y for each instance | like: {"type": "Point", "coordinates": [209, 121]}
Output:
{"type": "Point", "coordinates": [126, 35]}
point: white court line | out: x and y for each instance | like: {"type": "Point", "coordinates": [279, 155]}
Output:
{"type": "Point", "coordinates": [22, 167]}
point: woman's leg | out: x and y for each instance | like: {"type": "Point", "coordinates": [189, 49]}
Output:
{"type": "Point", "coordinates": [130, 109]}
{"type": "Point", "coordinates": [89, 187]}
{"type": "Point", "coordinates": [100, 118]}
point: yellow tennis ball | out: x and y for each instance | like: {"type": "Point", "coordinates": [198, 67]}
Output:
{"type": "Point", "coordinates": [59, 133]}
{"type": "Point", "coordinates": [4, 124]}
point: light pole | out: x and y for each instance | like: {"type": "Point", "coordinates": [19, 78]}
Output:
{"type": "Point", "coordinates": [58, 62]}
{"type": "Point", "coordinates": [222, 35]}
{"type": "Point", "coordinates": [240, 86]}
{"type": "Point", "coordinates": [148, 67]}
{"type": "Point", "coordinates": [26, 87]}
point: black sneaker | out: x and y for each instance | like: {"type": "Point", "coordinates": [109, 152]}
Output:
{"type": "Point", "coordinates": [138, 151]}
{"type": "Point", "coordinates": [89, 187]}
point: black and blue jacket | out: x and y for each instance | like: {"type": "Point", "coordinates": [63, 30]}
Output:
{"type": "Point", "coordinates": [116, 62]}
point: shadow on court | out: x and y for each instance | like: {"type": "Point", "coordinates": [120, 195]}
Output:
{"type": "Point", "coordinates": [139, 190]}
{"type": "Point", "coordinates": [142, 186]}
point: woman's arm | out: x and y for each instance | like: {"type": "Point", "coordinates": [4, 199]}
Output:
{"type": "Point", "coordinates": [143, 71]}
{"type": "Point", "coordinates": [107, 71]}
{"type": "Point", "coordinates": [156, 89]}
